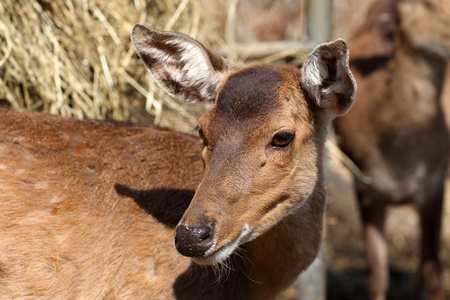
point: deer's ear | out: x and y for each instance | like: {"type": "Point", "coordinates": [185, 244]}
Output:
{"type": "Point", "coordinates": [327, 79]}
{"type": "Point", "coordinates": [179, 64]}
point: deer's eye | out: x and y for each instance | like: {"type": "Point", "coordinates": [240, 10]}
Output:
{"type": "Point", "coordinates": [202, 136]}
{"type": "Point", "coordinates": [200, 133]}
{"type": "Point", "coordinates": [282, 139]}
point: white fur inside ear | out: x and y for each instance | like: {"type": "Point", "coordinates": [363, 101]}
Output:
{"type": "Point", "coordinates": [160, 55]}
{"type": "Point", "coordinates": [327, 79]}
{"type": "Point", "coordinates": [339, 86]}
{"type": "Point", "coordinates": [315, 72]}
{"type": "Point", "coordinates": [195, 69]}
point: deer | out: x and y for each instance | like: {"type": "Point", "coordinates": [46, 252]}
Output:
{"type": "Point", "coordinates": [396, 132]}
{"type": "Point", "coordinates": [111, 210]}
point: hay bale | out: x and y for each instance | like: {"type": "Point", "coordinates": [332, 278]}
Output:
{"type": "Point", "coordinates": [75, 59]}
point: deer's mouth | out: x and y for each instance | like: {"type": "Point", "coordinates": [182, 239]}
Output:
{"type": "Point", "coordinates": [217, 255]}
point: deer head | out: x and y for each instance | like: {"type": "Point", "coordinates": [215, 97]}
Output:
{"type": "Point", "coordinates": [262, 137]}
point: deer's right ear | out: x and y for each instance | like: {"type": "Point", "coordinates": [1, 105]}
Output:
{"type": "Point", "coordinates": [180, 65]}
{"type": "Point", "coordinates": [327, 79]}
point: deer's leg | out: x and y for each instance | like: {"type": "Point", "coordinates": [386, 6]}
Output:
{"type": "Point", "coordinates": [430, 212]}
{"type": "Point", "coordinates": [373, 212]}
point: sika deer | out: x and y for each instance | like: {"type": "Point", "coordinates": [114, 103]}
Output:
{"type": "Point", "coordinates": [396, 134]}
{"type": "Point", "coordinates": [90, 209]}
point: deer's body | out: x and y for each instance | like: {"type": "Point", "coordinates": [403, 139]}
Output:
{"type": "Point", "coordinates": [86, 206]}
{"type": "Point", "coordinates": [90, 209]}
{"type": "Point", "coordinates": [396, 134]}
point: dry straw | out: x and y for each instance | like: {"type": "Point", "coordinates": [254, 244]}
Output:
{"type": "Point", "coordinates": [74, 57]}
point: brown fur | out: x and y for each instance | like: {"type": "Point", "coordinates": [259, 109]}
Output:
{"type": "Point", "coordinates": [396, 134]}
{"type": "Point", "coordinates": [79, 200]}
{"type": "Point", "coordinates": [89, 208]}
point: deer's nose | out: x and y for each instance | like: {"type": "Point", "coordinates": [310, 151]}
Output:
{"type": "Point", "coordinates": [194, 241]}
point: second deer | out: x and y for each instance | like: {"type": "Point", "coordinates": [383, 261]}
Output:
{"type": "Point", "coordinates": [396, 132]}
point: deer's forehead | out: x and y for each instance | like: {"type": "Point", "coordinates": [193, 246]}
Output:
{"type": "Point", "coordinates": [253, 92]}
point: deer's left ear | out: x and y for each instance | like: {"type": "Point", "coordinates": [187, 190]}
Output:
{"type": "Point", "coordinates": [180, 65]}
{"type": "Point", "coordinates": [327, 79]}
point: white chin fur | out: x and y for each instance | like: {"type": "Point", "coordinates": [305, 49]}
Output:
{"type": "Point", "coordinates": [216, 256]}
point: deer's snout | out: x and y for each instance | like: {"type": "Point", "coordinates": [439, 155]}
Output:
{"type": "Point", "coordinates": [194, 241]}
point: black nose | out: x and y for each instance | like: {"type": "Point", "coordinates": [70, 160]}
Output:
{"type": "Point", "coordinates": [193, 241]}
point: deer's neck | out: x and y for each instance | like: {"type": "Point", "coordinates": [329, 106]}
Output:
{"type": "Point", "coordinates": [276, 258]}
